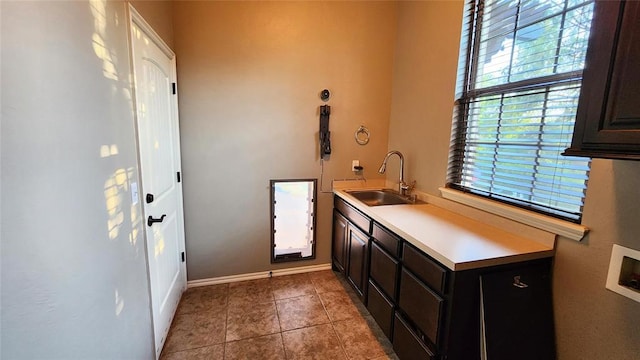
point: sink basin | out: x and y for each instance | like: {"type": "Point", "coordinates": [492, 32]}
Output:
{"type": "Point", "coordinates": [380, 197]}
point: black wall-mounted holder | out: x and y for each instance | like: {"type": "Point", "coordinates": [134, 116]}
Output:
{"type": "Point", "coordinates": [325, 134]}
{"type": "Point", "coordinates": [324, 95]}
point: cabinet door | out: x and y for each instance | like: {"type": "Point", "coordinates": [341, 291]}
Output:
{"type": "Point", "coordinates": [358, 244]}
{"type": "Point", "coordinates": [608, 117]}
{"type": "Point", "coordinates": [517, 313]}
{"type": "Point", "coordinates": [338, 245]}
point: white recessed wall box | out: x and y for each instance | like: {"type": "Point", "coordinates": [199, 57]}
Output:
{"type": "Point", "coordinates": [624, 272]}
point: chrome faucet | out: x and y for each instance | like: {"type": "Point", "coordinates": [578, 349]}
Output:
{"type": "Point", "coordinates": [403, 188]}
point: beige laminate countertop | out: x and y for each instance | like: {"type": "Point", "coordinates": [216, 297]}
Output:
{"type": "Point", "coordinates": [458, 242]}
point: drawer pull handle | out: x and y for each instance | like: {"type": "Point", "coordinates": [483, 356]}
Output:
{"type": "Point", "coordinates": [519, 284]}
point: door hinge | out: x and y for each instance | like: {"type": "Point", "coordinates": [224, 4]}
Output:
{"type": "Point", "coordinates": [173, 88]}
{"type": "Point", "coordinates": [183, 257]}
{"type": "Point", "coordinates": [178, 176]}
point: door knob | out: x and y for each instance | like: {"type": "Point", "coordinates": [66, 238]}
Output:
{"type": "Point", "coordinates": [151, 220]}
{"type": "Point", "coordinates": [149, 198]}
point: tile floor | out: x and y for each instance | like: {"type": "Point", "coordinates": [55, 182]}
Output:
{"type": "Point", "coordinates": [304, 316]}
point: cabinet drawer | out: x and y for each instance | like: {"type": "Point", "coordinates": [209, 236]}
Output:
{"type": "Point", "coordinates": [406, 343]}
{"type": "Point", "coordinates": [389, 241]}
{"type": "Point", "coordinates": [353, 215]}
{"type": "Point", "coordinates": [384, 270]}
{"type": "Point", "coordinates": [422, 305]}
{"type": "Point", "coordinates": [380, 308]}
{"type": "Point", "coordinates": [425, 269]}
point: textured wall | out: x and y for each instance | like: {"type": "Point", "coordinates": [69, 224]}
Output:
{"type": "Point", "coordinates": [591, 322]}
{"type": "Point", "coordinates": [159, 14]}
{"type": "Point", "coordinates": [249, 78]}
{"type": "Point", "coordinates": [426, 55]}
{"type": "Point", "coordinates": [74, 277]}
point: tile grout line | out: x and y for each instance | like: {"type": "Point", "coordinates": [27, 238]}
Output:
{"type": "Point", "coordinates": [316, 293]}
{"type": "Point", "coordinates": [342, 344]}
{"type": "Point", "coordinates": [275, 304]}
{"type": "Point", "coordinates": [344, 351]}
{"type": "Point", "coordinates": [323, 306]}
{"type": "Point", "coordinates": [272, 301]}
{"type": "Point", "coordinates": [331, 322]}
{"type": "Point", "coordinates": [162, 354]}
{"type": "Point", "coordinates": [284, 349]}
{"type": "Point", "coordinates": [226, 323]}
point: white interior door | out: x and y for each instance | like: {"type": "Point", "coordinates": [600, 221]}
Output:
{"type": "Point", "coordinates": [159, 152]}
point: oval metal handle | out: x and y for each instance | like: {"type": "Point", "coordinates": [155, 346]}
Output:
{"type": "Point", "coordinates": [151, 220]}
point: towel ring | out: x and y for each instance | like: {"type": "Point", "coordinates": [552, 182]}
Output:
{"type": "Point", "coordinates": [362, 135]}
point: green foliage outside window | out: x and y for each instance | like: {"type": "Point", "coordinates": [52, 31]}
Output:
{"type": "Point", "coordinates": [517, 100]}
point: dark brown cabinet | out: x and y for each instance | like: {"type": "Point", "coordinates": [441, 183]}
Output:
{"type": "Point", "coordinates": [358, 244]}
{"type": "Point", "coordinates": [338, 248]}
{"type": "Point", "coordinates": [350, 245]}
{"type": "Point", "coordinates": [424, 268]}
{"type": "Point", "coordinates": [517, 310]}
{"type": "Point", "coordinates": [387, 240]}
{"type": "Point", "coordinates": [384, 270]}
{"type": "Point", "coordinates": [381, 308]}
{"type": "Point", "coordinates": [431, 312]}
{"type": "Point", "coordinates": [406, 343]}
{"type": "Point", "coordinates": [608, 117]}
{"type": "Point", "coordinates": [423, 306]}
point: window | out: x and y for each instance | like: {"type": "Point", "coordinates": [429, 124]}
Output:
{"type": "Point", "coordinates": [519, 78]}
{"type": "Point", "coordinates": [293, 208]}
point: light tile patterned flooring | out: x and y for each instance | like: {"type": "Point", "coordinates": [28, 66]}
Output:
{"type": "Point", "coordinates": [304, 316]}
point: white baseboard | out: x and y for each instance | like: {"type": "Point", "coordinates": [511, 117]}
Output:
{"type": "Point", "coordinates": [257, 275]}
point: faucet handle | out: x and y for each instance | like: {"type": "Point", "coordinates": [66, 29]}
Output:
{"type": "Point", "coordinates": [405, 188]}
{"type": "Point", "coordinates": [408, 187]}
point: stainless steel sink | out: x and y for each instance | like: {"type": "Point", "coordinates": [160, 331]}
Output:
{"type": "Point", "coordinates": [380, 197]}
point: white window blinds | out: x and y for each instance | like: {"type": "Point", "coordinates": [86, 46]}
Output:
{"type": "Point", "coordinates": [519, 78]}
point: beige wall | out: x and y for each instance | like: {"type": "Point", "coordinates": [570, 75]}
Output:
{"type": "Point", "coordinates": [249, 78]}
{"type": "Point", "coordinates": [591, 322]}
{"type": "Point", "coordinates": [426, 54]}
{"type": "Point", "coordinates": [159, 14]}
{"type": "Point", "coordinates": [73, 264]}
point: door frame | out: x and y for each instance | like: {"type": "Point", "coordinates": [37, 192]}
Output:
{"type": "Point", "coordinates": [313, 209]}
{"type": "Point", "coordinates": [133, 16]}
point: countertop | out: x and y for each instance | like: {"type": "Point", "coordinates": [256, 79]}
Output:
{"type": "Point", "coordinates": [456, 241]}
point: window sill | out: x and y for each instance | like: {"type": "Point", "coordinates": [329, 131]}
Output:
{"type": "Point", "coordinates": [547, 223]}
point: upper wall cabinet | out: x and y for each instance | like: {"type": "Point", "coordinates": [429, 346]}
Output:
{"type": "Point", "coordinates": [608, 117]}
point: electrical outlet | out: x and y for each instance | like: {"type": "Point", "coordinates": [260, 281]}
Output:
{"type": "Point", "coordinates": [355, 164]}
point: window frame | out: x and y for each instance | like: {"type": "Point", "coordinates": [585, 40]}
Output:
{"type": "Point", "coordinates": [467, 93]}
